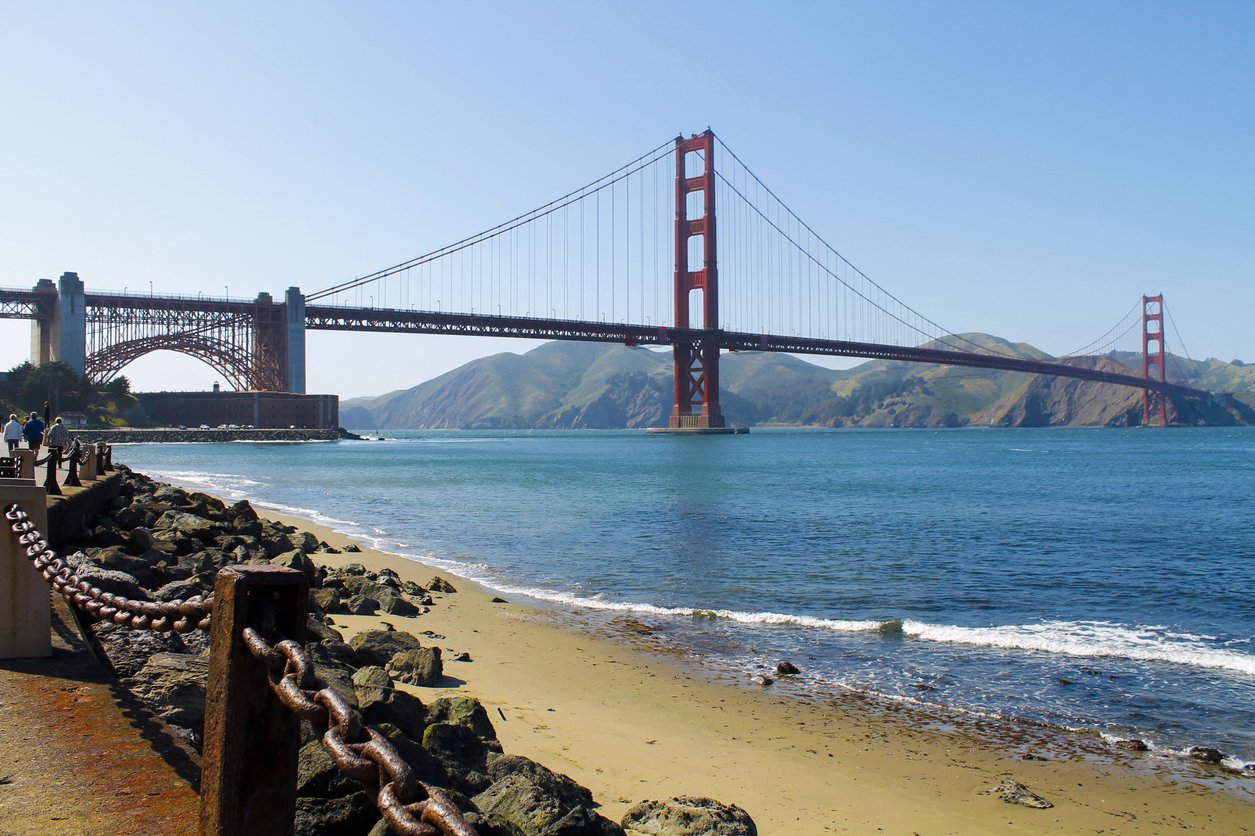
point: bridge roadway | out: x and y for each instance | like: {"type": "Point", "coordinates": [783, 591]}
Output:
{"type": "Point", "coordinates": [329, 318]}
{"type": "Point", "coordinates": [33, 304]}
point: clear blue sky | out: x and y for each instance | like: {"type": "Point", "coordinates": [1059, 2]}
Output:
{"type": "Point", "coordinates": [1022, 169]}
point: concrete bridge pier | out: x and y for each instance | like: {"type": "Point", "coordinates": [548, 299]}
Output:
{"type": "Point", "coordinates": [61, 335]}
{"type": "Point", "coordinates": [294, 335]}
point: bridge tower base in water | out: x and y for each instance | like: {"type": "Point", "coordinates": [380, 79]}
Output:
{"type": "Point", "coordinates": [1154, 355]}
{"type": "Point", "coordinates": [696, 408]}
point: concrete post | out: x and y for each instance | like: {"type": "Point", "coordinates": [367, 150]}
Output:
{"type": "Point", "coordinates": [27, 458]}
{"type": "Point", "coordinates": [294, 334]}
{"type": "Point", "coordinates": [25, 611]}
{"type": "Point", "coordinates": [87, 470]}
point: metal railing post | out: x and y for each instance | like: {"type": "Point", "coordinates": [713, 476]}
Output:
{"type": "Point", "coordinates": [71, 468]}
{"type": "Point", "coordinates": [248, 777]}
{"type": "Point", "coordinates": [50, 479]}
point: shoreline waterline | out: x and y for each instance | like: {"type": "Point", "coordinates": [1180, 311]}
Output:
{"type": "Point", "coordinates": [601, 702]}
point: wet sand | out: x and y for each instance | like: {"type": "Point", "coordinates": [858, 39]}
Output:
{"type": "Point", "coordinates": [632, 724]}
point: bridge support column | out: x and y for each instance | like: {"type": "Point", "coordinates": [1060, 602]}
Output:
{"type": "Point", "coordinates": [1154, 365]}
{"type": "Point", "coordinates": [41, 325]}
{"type": "Point", "coordinates": [696, 360]}
{"type": "Point", "coordinates": [294, 334]}
{"type": "Point", "coordinates": [69, 323]}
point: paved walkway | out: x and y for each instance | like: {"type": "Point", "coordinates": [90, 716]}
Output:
{"type": "Point", "coordinates": [78, 757]}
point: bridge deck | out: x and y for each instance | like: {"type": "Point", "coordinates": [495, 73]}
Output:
{"type": "Point", "coordinates": [78, 757]}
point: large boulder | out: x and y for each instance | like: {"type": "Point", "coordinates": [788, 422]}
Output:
{"type": "Point", "coordinates": [298, 560]}
{"type": "Point", "coordinates": [334, 816]}
{"type": "Point", "coordinates": [318, 775]}
{"type": "Point", "coordinates": [110, 580]}
{"type": "Point", "coordinates": [461, 753]}
{"type": "Point", "coordinates": [527, 798]}
{"type": "Point", "coordinates": [417, 667]}
{"type": "Point", "coordinates": [128, 649]}
{"type": "Point", "coordinates": [688, 816]}
{"type": "Point", "coordinates": [377, 647]}
{"type": "Point", "coordinates": [380, 702]}
{"type": "Point", "coordinates": [464, 711]}
{"type": "Point", "coordinates": [172, 686]}
{"type": "Point", "coordinates": [189, 524]}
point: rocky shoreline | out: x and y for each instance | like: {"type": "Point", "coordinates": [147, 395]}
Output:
{"type": "Point", "coordinates": [162, 543]}
{"type": "Point", "coordinates": [131, 435]}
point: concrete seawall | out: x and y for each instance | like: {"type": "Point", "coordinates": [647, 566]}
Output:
{"type": "Point", "coordinates": [157, 436]}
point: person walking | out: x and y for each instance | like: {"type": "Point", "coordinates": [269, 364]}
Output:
{"type": "Point", "coordinates": [13, 432]}
{"type": "Point", "coordinates": [58, 436]}
{"type": "Point", "coordinates": [33, 429]}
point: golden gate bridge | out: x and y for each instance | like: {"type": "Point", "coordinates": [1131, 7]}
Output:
{"type": "Point", "coordinates": [683, 247]}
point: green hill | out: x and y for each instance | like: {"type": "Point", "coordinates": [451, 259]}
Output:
{"type": "Point", "coordinates": [597, 386]}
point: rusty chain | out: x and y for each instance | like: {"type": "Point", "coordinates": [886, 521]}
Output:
{"type": "Point", "coordinates": [411, 807]}
{"type": "Point", "coordinates": [179, 616]}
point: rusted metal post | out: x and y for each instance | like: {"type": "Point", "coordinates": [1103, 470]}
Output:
{"type": "Point", "coordinates": [100, 457]}
{"type": "Point", "coordinates": [108, 458]}
{"type": "Point", "coordinates": [248, 776]}
{"type": "Point", "coordinates": [50, 479]}
{"type": "Point", "coordinates": [25, 613]}
{"type": "Point", "coordinates": [71, 468]}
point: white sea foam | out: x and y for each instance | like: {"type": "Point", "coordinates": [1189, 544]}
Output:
{"type": "Point", "coordinates": [1091, 639]}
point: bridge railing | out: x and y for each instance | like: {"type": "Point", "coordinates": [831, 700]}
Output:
{"type": "Point", "coordinates": [261, 681]}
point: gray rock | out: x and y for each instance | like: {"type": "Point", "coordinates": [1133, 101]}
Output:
{"type": "Point", "coordinates": [417, 667]}
{"type": "Point", "coordinates": [361, 605]}
{"type": "Point", "coordinates": [380, 702]}
{"type": "Point", "coordinates": [109, 580]}
{"type": "Point", "coordinates": [298, 560]}
{"type": "Point", "coordinates": [787, 668]}
{"type": "Point", "coordinates": [462, 754]}
{"type": "Point", "coordinates": [439, 584]}
{"type": "Point", "coordinates": [377, 647]}
{"type": "Point", "coordinates": [394, 604]}
{"type": "Point", "coordinates": [416, 593]}
{"type": "Point", "coordinates": [241, 510]}
{"type": "Point", "coordinates": [140, 540]}
{"type": "Point", "coordinates": [118, 559]}
{"type": "Point", "coordinates": [176, 591]}
{"type": "Point", "coordinates": [303, 541]}
{"type": "Point", "coordinates": [334, 816]}
{"type": "Point", "coordinates": [318, 776]}
{"type": "Point", "coordinates": [188, 524]}
{"type": "Point", "coordinates": [528, 798]}
{"type": "Point", "coordinates": [464, 711]}
{"type": "Point", "coordinates": [1013, 792]}
{"type": "Point", "coordinates": [688, 816]}
{"type": "Point", "coordinates": [425, 766]}
{"type": "Point", "coordinates": [128, 650]}
{"type": "Point", "coordinates": [1205, 754]}
{"type": "Point", "coordinates": [327, 600]}
{"type": "Point", "coordinates": [102, 537]}
{"type": "Point", "coordinates": [172, 685]}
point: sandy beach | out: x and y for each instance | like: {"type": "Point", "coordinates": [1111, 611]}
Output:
{"type": "Point", "coordinates": [633, 723]}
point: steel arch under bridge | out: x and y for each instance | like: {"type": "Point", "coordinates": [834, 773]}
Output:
{"type": "Point", "coordinates": [242, 341]}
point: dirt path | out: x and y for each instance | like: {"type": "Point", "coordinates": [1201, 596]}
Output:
{"type": "Point", "coordinates": [76, 757]}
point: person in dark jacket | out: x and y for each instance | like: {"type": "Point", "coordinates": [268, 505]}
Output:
{"type": "Point", "coordinates": [33, 429]}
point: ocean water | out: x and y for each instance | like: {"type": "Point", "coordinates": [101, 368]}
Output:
{"type": "Point", "coordinates": [1101, 580]}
